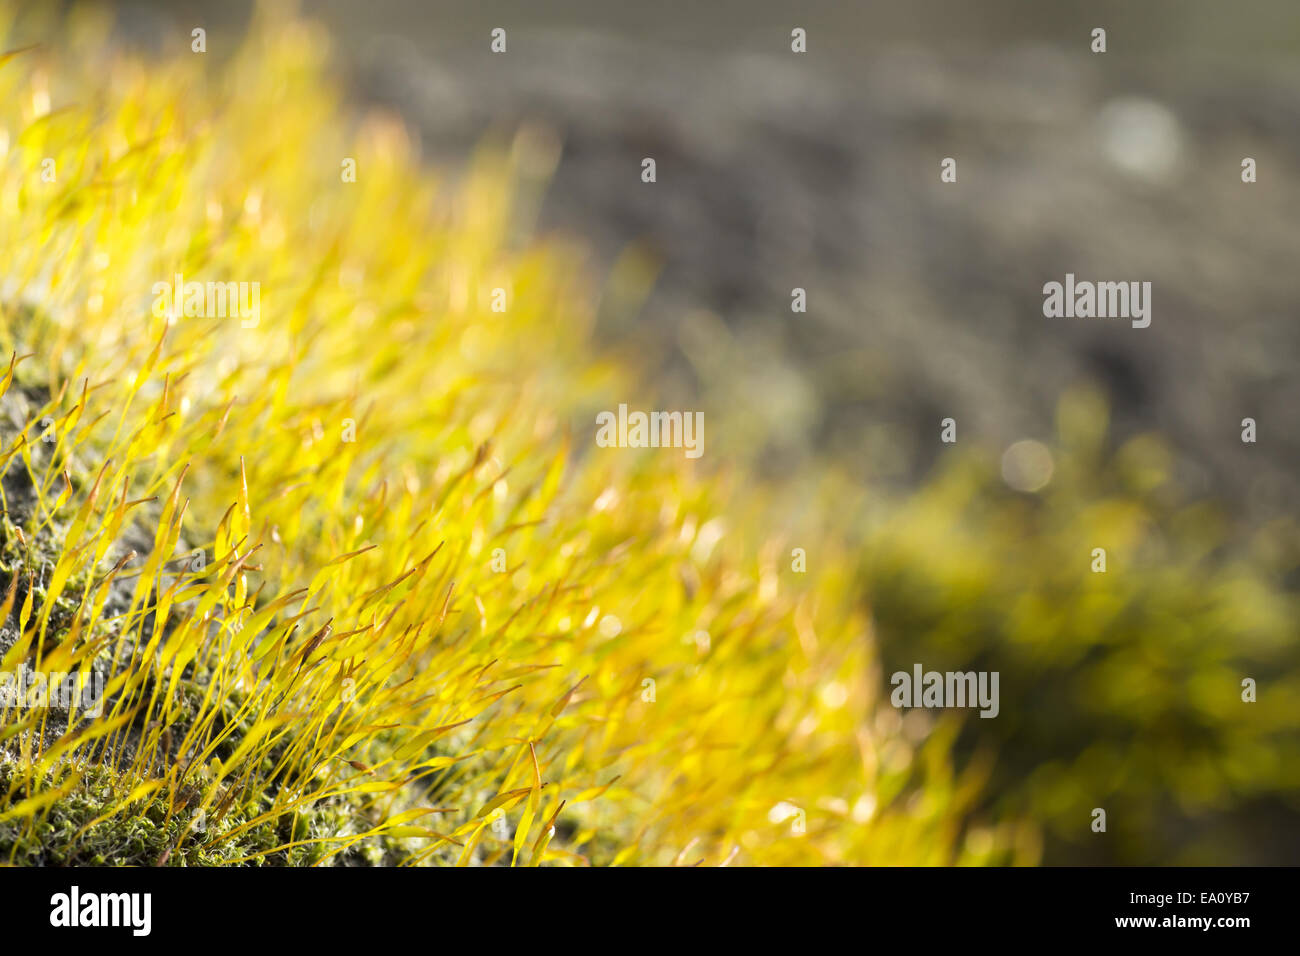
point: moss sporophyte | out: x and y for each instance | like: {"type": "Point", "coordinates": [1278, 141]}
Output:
{"type": "Point", "coordinates": [326, 517]}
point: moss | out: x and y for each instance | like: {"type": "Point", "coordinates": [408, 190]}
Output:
{"type": "Point", "coordinates": [70, 832]}
{"type": "Point", "coordinates": [349, 679]}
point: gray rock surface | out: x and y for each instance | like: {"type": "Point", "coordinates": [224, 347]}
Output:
{"type": "Point", "coordinates": [925, 299]}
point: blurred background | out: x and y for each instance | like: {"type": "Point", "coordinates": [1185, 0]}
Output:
{"type": "Point", "coordinates": [924, 301]}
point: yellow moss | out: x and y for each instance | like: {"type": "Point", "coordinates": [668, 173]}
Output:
{"type": "Point", "coordinates": [346, 637]}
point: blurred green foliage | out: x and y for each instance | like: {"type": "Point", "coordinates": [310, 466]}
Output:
{"type": "Point", "coordinates": [1120, 690]}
